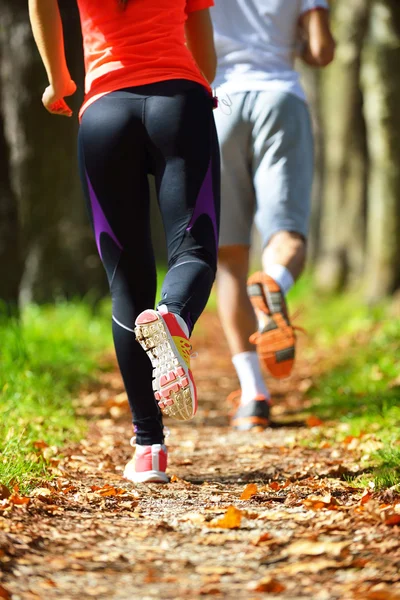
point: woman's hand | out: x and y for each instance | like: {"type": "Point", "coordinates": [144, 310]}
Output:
{"type": "Point", "coordinates": [53, 98]}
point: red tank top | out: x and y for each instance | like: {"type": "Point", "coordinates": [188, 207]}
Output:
{"type": "Point", "coordinates": [144, 43]}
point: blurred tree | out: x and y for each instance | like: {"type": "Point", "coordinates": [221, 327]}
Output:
{"type": "Point", "coordinates": [59, 256]}
{"type": "Point", "coordinates": [342, 234]}
{"type": "Point", "coordinates": [381, 87]}
{"type": "Point", "coordinates": [10, 257]}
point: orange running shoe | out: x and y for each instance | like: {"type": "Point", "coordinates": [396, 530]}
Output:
{"type": "Point", "coordinates": [252, 415]}
{"type": "Point", "coordinates": [275, 339]}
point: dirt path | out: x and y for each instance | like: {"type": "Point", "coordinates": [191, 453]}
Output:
{"type": "Point", "coordinates": [302, 533]}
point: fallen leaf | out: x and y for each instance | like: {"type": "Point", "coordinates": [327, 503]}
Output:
{"type": "Point", "coordinates": [40, 445]}
{"type": "Point", "coordinates": [312, 548]}
{"type": "Point", "coordinates": [175, 479]}
{"type": "Point", "coordinates": [313, 421]}
{"type": "Point", "coordinates": [41, 492]}
{"type": "Point", "coordinates": [264, 537]}
{"type": "Point", "coordinates": [250, 490]}
{"type": "Point", "coordinates": [209, 590]}
{"type": "Point", "coordinates": [367, 495]}
{"type": "Point", "coordinates": [4, 594]}
{"type": "Point", "coordinates": [392, 520]}
{"type": "Point", "coordinates": [231, 519]}
{"type": "Point", "coordinates": [321, 502]}
{"type": "Point", "coordinates": [269, 585]}
{"type": "Point", "coordinates": [384, 593]}
{"type": "Point", "coordinates": [18, 500]}
{"type": "Point", "coordinates": [4, 492]}
{"type": "Point", "coordinates": [274, 485]}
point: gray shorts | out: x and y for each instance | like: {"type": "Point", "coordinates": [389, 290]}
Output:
{"type": "Point", "coordinates": [267, 165]}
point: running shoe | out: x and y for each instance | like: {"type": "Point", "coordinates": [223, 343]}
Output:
{"type": "Point", "coordinates": [169, 350]}
{"type": "Point", "coordinates": [252, 415]}
{"type": "Point", "coordinates": [148, 465]}
{"type": "Point", "coordinates": [275, 339]}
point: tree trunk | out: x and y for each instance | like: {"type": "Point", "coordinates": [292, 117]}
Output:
{"type": "Point", "coordinates": [10, 257]}
{"type": "Point", "coordinates": [59, 254]}
{"type": "Point", "coordinates": [381, 84]}
{"type": "Point", "coordinates": [343, 200]}
{"type": "Point", "coordinates": [311, 81]}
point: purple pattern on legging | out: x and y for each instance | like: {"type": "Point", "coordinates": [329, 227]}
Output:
{"type": "Point", "coordinates": [99, 220]}
{"type": "Point", "coordinates": [205, 204]}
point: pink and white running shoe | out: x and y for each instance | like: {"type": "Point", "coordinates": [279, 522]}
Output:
{"type": "Point", "coordinates": [148, 465]}
{"type": "Point", "coordinates": [169, 349]}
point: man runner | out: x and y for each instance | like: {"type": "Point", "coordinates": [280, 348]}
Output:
{"type": "Point", "coordinates": [266, 146]}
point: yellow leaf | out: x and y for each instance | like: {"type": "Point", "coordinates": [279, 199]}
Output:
{"type": "Point", "coordinates": [250, 490]}
{"type": "Point", "coordinates": [231, 519]}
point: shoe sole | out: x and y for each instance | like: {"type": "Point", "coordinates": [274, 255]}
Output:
{"type": "Point", "coordinates": [266, 296]}
{"type": "Point", "coordinates": [172, 380]}
{"type": "Point", "coordinates": [146, 476]}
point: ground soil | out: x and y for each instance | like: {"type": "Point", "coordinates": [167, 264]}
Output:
{"type": "Point", "coordinates": [246, 515]}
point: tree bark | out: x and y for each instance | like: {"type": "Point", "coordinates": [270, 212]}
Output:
{"type": "Point", "coordinates": [10, 255]}
{"type": "Point", "coordinates": [59, 255]}
{"type": "Point", "coordinates": [381, 85]}
{"type": "Point", "coordinates": [344, 182]}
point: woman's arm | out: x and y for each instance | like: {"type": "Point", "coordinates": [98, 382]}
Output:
{"type": "Point", "coordinates": [47, 30]}
{"type": "Point", "coordinates": [200, 41]}
{"type": "Point", "coordinates": [319, 49]}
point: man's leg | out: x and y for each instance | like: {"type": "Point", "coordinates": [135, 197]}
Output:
{"type": "Point", "coordinates": [283, 170]}
{"type": "Point", "coordinates": [238, 319]}
{"type": "Point", "coordinates": [237, 213]}
{"type": "Point", "coordinates": [284, 258]}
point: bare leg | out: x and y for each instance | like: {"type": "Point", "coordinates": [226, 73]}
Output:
{"type": "Point", "coordinates": [288, 249]}
{"type": "Point", "coordinates": [235, 310]}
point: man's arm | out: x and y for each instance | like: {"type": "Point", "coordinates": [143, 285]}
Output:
{"type": "Point", "coordinates": [47, 30]}
{"type": "Point", "coordinates": [319, 48]}
{"type": "Point", "coordinates": [200, 41]}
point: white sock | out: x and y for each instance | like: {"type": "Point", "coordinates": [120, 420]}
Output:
{"type": "Point", "coordinates": [248, 370]}
{"type": "Point", "coordinates": [163, 308]}
{"type": "Point", "coordinates": [282, 276]}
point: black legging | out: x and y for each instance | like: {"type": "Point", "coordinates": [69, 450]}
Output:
{"type": "Point", "coordinates": [166, 129]}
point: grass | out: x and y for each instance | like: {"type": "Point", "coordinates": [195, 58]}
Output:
{"type": "Point", "coordinates": [43, 361]}
{"type": "Point", "coordinates": [361, 389]}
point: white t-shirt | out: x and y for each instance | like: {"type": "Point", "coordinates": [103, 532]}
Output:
{"type": "Point", "coordinates": [256, 44]}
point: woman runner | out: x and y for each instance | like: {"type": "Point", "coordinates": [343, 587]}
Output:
{"type": "Point", "coordinates": [148, 108]}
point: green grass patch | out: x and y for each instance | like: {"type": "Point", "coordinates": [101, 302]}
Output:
{"type": "Point", "coordinates": [43, 361]}
{"type": "Point", "coordinates": [362, 388]}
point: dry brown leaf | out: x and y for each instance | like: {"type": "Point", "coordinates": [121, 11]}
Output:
{"type": "Point", "coordinates": [321, 502]}
{"type": "Point", "coordinates": [264, 537]}
{"type": "Point", "coordinates": [316, 565]}
{"type": "Point", "coordinates": [313, 548]}
{"type": "Point", "coordinates": [40, 445]}
{"type": "Point", "coordinates": [18, 500]}
{"type": "Point", "coordinates": [392, 519]}
{"type": "Point", "coordinates": [268, 585]}
{"type": "Point", "coordinates": [4, 492]}
{"type": "Point", "coordinates": [313, 421]}
{"type": "Point", "coordinates": [231, 519]}
{"type": "Point", "coordinates": [274, 485]}
{"type": "Point", "coordinates": [209, 590]}
{"type": "Point", "coordinates": [384, 593]}
{"type": "Point", "coordinates": [4, 594]}
{"type": "Point", "coordinates": [250, 490]}
{"type": "Point", "coordinates": [175, 479]}
{"type": "Point", "coordinates": [41, 492]}
{"type": "Point", "coordinates": [214, 570]}
{"type": "Point", "coordinates": [367, 495]}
